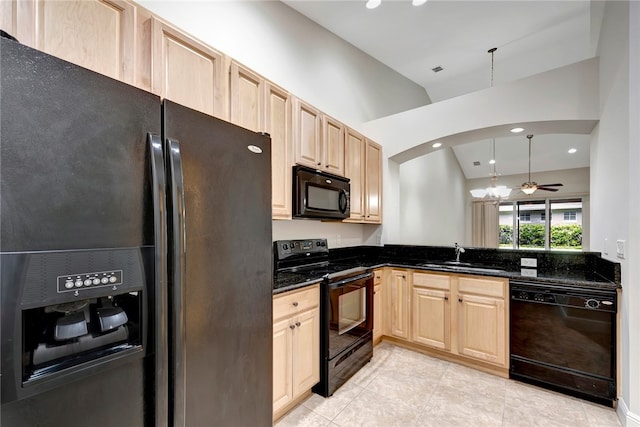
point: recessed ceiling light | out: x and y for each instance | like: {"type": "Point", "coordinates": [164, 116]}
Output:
{"type": "Point", "coordinates": [418, 2]}
{"type": "Point", "coordinates": [372, 4]}
{"type": "Point", "coordinates": [572, 150]}
{"type": "Point", "coordinates": [437, 144]}
{"type": "Point", "coordinates": [517, 130]}
{"type": "Point", "coordinates": [492, 162]}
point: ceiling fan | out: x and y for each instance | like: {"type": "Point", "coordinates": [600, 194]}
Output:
{"type": "Point", "coordinates": [530, 187]}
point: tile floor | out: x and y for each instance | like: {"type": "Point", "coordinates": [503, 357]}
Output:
{"type": "Point", "coordinates": [400, 387]}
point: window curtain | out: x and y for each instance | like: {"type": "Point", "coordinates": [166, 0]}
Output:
{"type": "Point", "coordinates": [484, 224]}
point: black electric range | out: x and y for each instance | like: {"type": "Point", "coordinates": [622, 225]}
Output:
{"type": "Point", "coordinates": [346, 308]}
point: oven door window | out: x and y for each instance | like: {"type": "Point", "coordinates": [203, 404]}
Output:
{"type": "Point", "coordinates": [348, 316]}
{"type": "Point", "coordinates": [352, 310]}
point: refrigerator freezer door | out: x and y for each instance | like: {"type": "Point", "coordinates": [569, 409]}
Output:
{"type": "Point", "coordinates": [225, 293]}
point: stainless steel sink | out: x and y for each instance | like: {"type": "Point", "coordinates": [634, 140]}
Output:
{"type": "Point", "coordinates": [462, 266]}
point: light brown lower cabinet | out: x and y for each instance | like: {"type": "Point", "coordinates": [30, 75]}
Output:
{"type": "Point", "coordinates": [378, 313]}
{"type": "Point", "coordinates": [296, 346]}
{"type": "Point", "coordinates": [461, 317]}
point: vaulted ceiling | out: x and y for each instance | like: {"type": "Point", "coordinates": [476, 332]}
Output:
{"type": "Point", "coordinates": [530, 37]}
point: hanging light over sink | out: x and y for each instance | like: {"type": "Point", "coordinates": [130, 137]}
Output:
{"type": "Point", "coordinates": [494, 191]}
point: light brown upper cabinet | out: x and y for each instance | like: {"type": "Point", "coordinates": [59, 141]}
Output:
{"type": "Point", "coordinates": [187, 71]}
{"type": "Point", "coordinates": [332, 146]}
{"type": "Point", "coordinates": [261, 106]}
{"type": "Point", "coordinates": [373, 183]}
{"type": "Point", "coordinates": [363, 166]}
{"type": "Point", "coordinates": [307, 132]}
{"type": "Point", "coordinates": [9, 16]}
{"type": "Point", "coordinates": [247, 98]}
{"type": "Point", "coordinates": [318, 139]}
{"type": "Point", "coordinates": [278, 125]}
{"type": "Point", "coordinates": [95, 34]}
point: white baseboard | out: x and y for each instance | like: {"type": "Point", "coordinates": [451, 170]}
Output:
{"type": "Point", "coordinates": [627, 418]}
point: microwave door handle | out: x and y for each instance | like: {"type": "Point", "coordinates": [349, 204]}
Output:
{"type": "Point", "coordinates": [343, 201]}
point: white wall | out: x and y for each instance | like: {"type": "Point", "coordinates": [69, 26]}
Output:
{"type": "Point", "coordinates": [565, 96]}
{"type": "Point", "coordinates": [432, 200]}
{"type": "Point", "coordinates": [614, 180]}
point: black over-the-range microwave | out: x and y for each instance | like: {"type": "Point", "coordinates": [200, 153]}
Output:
{"type": "Point", "coordinates": [319, 195]}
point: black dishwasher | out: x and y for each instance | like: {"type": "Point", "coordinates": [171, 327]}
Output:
{"type": "Point", "coordinates": [564, 338]}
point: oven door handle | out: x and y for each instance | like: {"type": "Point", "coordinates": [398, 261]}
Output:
{"type": "Point", "coordinates": [346, 281]}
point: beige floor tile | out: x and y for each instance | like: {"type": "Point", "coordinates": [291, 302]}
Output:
{"type": "Point", "coordinates": [413, 390]}
{"type": "Point", "coordinates": [302, 417]}
{"type": "Point", "coordinates": [600, 416]}
{"type": "Point", "coordinates": [403, 388]}
{"type": "Point", "coordinates": [457, 406]}
{"type": "Point", "coordinates": [331, 406]}
{"type": "Point", "coordinates": [370, 409]}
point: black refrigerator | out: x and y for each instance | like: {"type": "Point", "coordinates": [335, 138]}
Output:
{"type": "Point", "coordinates": [135, 255]}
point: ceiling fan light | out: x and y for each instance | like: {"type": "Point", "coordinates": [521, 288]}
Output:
{"type": "Point", "coordinates": [372, 4]}
{"type": "Point", "coordinates": [529, 188]}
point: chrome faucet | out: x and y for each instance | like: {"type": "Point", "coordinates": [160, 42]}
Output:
{"type": "Point", "coordinates": [459, 249]}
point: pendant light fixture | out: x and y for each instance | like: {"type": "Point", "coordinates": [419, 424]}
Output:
{"type": "Point", "coordinates": [494, 191]}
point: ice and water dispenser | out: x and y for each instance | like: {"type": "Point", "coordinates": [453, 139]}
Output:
{"type": "Point", "coordinates": [68, 314]}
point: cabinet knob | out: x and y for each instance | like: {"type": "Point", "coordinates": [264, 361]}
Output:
{"type": "Point", "coordinates": [295, 303]}
{"type": "Point", "coordinates": [459, 299]}
{"type": "Point", "coordinates": [446, 298]}
{"type": "Point", "coordinates": [292, 327]}
{"type": "Point", "coordinates": [404, 277]}
{"type": "Point", "coordinates": [298, 324]}
{"type": "Point", "coordinates": [319, 163]}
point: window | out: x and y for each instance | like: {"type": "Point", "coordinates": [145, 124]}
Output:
{"type": "Point", "coordinates": [541, 224]}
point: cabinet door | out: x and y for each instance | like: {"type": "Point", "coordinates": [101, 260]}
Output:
{"type": "Point", "coordinates": [278, 124]}
{"type": "Point", "coordinates": [282, 364]}
{"type": "Point", "coordinates": [432, 318]}
{"type": "Point", "coordinates": [354, 169]}
{"type": "Point", "coordinates": [399, 304]}
{"type": "Point", "coordinates": [332, 146]}
{"type": "Point", "coordinates": [8, 17]}
{"type": "Point", "coordinates": [373, 183]}
{"type": "Point", "coordinates": [247, 98]}
{"type": "Point", "coordinates": [95, 34]}
{"type": "Point", "coordinates": [377, 312]}
{"type": "Point", "coordinates": [187, 71]}
{"type": "Point", "coordinates": [306, 134]}
{"type": "Point", "coordinates": [306, 351]}
{"type": "Point", "coordinates": [482, 328]}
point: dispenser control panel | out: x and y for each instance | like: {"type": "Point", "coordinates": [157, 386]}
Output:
{"type": "Point", "coordinates": [75, 282]}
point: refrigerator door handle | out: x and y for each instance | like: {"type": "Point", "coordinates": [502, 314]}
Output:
{"type": "Point", "coordinates": [158, 182]}
{"type": "Point", "coordinates": [178, 255]}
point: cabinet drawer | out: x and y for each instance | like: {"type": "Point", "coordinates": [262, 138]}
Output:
{"type": "Point", "coordinates": [377, 277]}
{"type": "Point", "coordinates": [435, 281]}
{"type": "Point", "coordinates": [293, 302]}
{"type": "Point", "coordinates": [488, 287]}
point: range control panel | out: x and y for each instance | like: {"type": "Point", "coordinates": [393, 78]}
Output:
{"type": "Point", "coordinates": [291, 248]}
{"type": "Point", "coordinates": [73, 282]}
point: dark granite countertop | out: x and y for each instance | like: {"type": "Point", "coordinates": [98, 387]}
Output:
{"type": "Point", "coordinates": [584, 269]}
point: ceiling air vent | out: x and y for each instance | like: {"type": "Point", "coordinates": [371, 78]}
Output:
{"type": "Point", "coordinates": [476, 163]}
{"type": "Point", "coordinates": [437, 69]}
